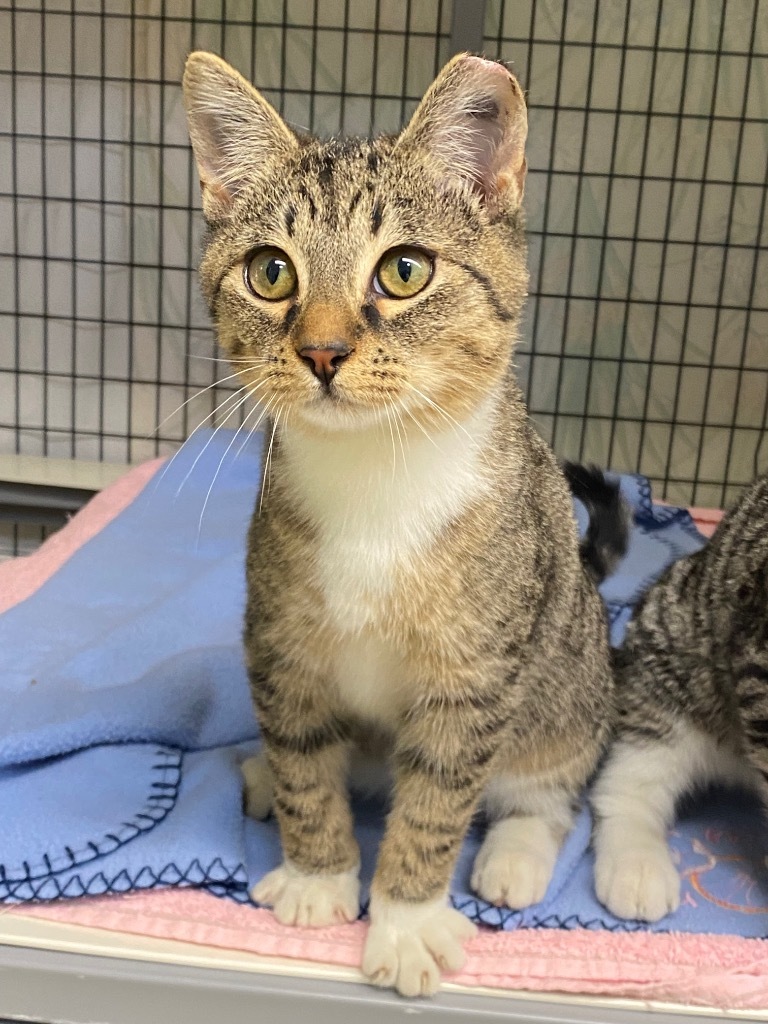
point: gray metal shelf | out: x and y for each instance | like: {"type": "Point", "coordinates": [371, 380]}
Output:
{"type": "Point", "coordinates": [67, 988]}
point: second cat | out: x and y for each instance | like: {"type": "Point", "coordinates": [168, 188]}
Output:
{"type": "Point", "coordinates": [692, 692]}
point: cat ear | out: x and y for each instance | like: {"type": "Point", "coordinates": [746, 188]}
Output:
{"type": "Point", "coordinates": [472, 124]}
{"type": "Point", "coordinates": [235, 133]}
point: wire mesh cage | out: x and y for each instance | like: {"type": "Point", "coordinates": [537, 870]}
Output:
{"type": "Point", "coordinates": [647, 344]}
{"type": "Point", "coordinates": [644, 343]}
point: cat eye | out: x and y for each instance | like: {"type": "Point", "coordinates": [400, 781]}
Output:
{"type": "Point", "coordinates": [403, 272]}
{"type": "Point", "coordinates": [270, 275]}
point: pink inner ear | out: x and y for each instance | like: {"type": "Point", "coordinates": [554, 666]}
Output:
{"type": "Point", "coordinates": [489, 65]}
{"type": "Point", "coordinates": [499, 141]}
{"type": "Point", "coordinates": [485, 156]}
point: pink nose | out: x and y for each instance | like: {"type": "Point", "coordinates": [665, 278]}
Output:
{"type": "Point", "coordinates": [324, 362]}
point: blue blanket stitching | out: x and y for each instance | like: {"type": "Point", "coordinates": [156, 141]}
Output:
{"type": "Point", "coordinates": [214, 878]}
{"type": "Point", "coordinates": [144, 821]}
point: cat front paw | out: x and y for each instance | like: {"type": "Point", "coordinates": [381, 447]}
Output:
{"type": "Point", "coordinates": [311, 901]}
{"type": "Point", "coordinates": [509, 878]}
{"type": "Point", "coordinates": [410, 945]}
{"type": "Point", "coordinates": [639, 885]}
{"type": "Point", "coordinates": [515, 863]}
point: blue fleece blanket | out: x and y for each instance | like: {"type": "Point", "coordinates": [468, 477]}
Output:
{"type": "Point", "coordinates": [126, 714]}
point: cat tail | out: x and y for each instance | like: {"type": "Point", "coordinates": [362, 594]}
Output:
{"type": "Point", "coordinates": [605, 542]}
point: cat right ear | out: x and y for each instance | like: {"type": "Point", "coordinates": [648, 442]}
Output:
{"type": "Point", "coordinates": [472, 125]}
{"type": "Point", "coordinates": [235, 133]}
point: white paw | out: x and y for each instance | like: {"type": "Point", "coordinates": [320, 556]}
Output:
{"type": "Point", "coordinates": [639, 884]}
{"type": "Point", "coordinates": [312, 901]}
{"type": "Point", "coordinates": [516, 861]}
{"type": "Point", "coordinates": [258, 786]}
{"type": "Point", "coordinates": [511, 878]}
{"type": "Point", "coordinates": [409, 945]}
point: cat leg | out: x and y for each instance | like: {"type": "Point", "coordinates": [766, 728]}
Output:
{"type": "Point", "coordinates": [634, 801]}
{"type": "Point", "coordinates": [368, 776]}
{"type": "Point", "coordinates": [258, 786]}
{"type": "Point", "coordinates": [442, 761]}
{"type": "Point", "coordinates": [414, 934]}
{"type": "Point", "coordinates": [515, 863]}
{"type": "Point", "coordinates": [307, 755]}
{"type": "Point", "coordinates": [317, 883]}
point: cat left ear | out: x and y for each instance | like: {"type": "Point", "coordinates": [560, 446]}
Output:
{"type": "Point", "coordinates": [472, 124]}
{"type": "Point", "coordinates": [235, 133]}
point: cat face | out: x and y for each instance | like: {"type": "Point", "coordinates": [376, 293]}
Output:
{"type": "Point", "coordinates": [354, 280]}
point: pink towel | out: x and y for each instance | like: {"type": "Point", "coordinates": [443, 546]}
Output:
{"type": "Point", "coordinates": [701, 970]}
{"type": "Point", "coordinates": [20, 577]}
{"type": "Point", "coordinates": [706, 519]}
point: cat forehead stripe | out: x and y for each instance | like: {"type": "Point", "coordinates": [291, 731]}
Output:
{"type": "Point", "coordinates": [376, 216]}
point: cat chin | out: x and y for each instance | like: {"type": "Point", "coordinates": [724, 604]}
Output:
{"type": "Point", "coordinates": [336, 417]}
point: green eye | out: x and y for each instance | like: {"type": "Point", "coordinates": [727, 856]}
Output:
{"type": "Point", "coordinates": [270, 275]}
{"type": "Point", "coordinates": [403, 272]}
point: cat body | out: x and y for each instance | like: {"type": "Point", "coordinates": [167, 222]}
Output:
{"type": "Point", "coordinates": [692, 690]}
{"type": "Point", "coordinates": [415, 587]}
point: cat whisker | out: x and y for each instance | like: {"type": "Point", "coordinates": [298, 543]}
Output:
{"type": "Point", "coordinates": [400, 428]}
{"type": "Point", "coordinates": [205, 447]}
{"type": "Point", "coordinates": [269, 454]}
{"type": "Point", "coordinates": [268, 458]}
{"type": "Point", "coordinates": [423, 429]}
{"type": "Point", "coordinates": [387, 408]}
{"type": "Point", "coordinates": [218, 408]}
{"type": "Point", "coordinates": [300, 127]}
{"type": "Point", "coordinates": [197, 394]}
{"type": "Point", "coordinates": [227, 359]}
{"type": "Point", "coordinates": [209, 359]}
{"type": "Point", "coordinates": [454, 423]}
{"type": "Point", "coordinates": [212, 413]}
{"type": "Point", "coordinates": [439, 409]}
{"type": "Point", "coordinates": [248, 361]}
{"type": "Point", "coordinates": [264, 412]}
{"type": "Point", "coordinates": [221, 463]}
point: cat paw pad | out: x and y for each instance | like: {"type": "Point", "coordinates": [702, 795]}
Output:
{"type": "Point", "coordinates": [641, 885]}
{"type": "Point", "coordinates": [312, 901]}
{"type": "Point", "coordinates": [409, 946]}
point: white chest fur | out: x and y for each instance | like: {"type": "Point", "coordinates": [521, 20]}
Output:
{"type": "Point", "coordinates": [371, 680]}
{"type": "Point", "coordinates": [378, 506]}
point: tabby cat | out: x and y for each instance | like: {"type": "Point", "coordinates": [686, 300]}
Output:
{"type": "Point", "coordinates": [692, 682]}
{"type": "Point", "coordinates": [414, 579]}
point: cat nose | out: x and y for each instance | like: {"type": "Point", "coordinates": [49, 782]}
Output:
{"type": "Point", "coordinates": [325, 361]}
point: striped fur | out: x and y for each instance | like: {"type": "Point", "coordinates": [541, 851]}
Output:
{"type": "Point", "coordinates": [414, 582]}
{"type": "Point", "coordinates": [693, 705]}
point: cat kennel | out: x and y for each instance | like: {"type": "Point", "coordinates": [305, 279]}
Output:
{"type": "Point", "coordinates": [644, 349]}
